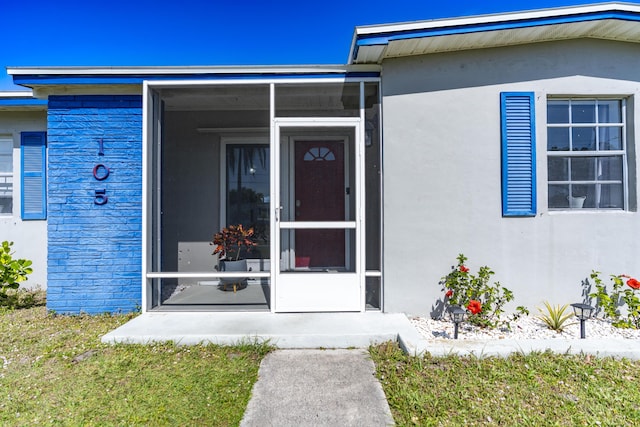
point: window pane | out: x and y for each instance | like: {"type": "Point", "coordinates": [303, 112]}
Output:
{"type": "Point", "coordinates": [373, 293]}
{"type": "Point", "coordinates": [582, 196]}
{"type": "Point", "coordinates": [372, 180]}
{"type": "Point", "coordinates": [583, 139]}
{"type": "Point", "coordinates": [317, 250]}
{"type": "Point", "coordinates": [610, 168]}
{"type": "Point", "coordinates": [6, 158]}
{"type": "Point", "coordinates": [558, 196]}
{"type": "Point", "coordinates": [591, 181]}
{"type": "Point", "coordinates": [6, 179]}
{"type": "Point", "coordinates": [583, 169]}
{"type": "Point", "coordinates": [373, 201]}
{"type": "Point", "coordinates": [558, 168]}
{"type": "Point", "coordinates": [6, 146]}
{"type": "Point", "coordinates": [558, 112]}
{"type": "Point", "coordinates": [611, 196]}
{"type": "Point", "coordinates": [558, 139]}
{"type": "Point", "coordinates": [583, 112]}
{"type": "Point", "coordinates": [248, 192]}
{"type": "Point", "coordinates": [610, 138]}
{"type": "Point", "coordinates": [6, 164]}
{"type": "Point", "coordinates": [6, 205]}
{"type": "Point", "coordinates": [609, 111]}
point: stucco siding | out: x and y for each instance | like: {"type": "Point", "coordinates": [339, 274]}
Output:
{"type": "Point", "coordinates": [29, 237]}
{"type": "Point", "coordinates": [442, 182]}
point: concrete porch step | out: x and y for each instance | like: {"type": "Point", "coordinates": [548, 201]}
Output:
{"type": "Point", "coordinates": [284, 330]}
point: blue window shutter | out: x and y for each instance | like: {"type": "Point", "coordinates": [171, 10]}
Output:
{"type": "Point", "coordinates": [518, 154]}
{"type": "Point", "coordinates": [33, 182]}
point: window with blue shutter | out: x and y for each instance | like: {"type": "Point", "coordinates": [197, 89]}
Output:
{"type": "Point", "coordinates": [518, 154]}
{"type": "Point", "coordinates": [33, 163]}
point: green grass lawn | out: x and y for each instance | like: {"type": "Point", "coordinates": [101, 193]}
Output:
{"type": "Point", "coordinates": [541, 389]}
{"type": "Point", "coordinates": [55, 371]}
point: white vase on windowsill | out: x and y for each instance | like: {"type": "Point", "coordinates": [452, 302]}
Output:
{"type": "Point", "coordinates": [576, 202]}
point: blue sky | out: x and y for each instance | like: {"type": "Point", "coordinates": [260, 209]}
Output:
{"type": "Point", "coordinates": [219, 32]}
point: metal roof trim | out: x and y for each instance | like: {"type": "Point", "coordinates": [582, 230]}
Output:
{"type": "Point", "coordinates": [189, 70]}
{"type": "Point", "coordinates": [498, 17]}
{"type": "Point", "coordinates": [384, 34]}
{"type": "Point", "coordinates": [38, 78]}
{"type": "Point", "coordinates": [20, 100]}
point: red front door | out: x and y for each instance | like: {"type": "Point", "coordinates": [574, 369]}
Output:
{"type": "Point", "coordinates": [319, 196]}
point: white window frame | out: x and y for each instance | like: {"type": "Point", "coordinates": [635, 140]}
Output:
{"type": "Point", "coordinates": [622, 153]}
{"type": "Point", "coordinates": [8, 177]}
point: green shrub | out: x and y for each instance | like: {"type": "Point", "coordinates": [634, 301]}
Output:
{"type": "Point", "coordinates": [483, 300]}
{"type": "Point", "coordinates": [23, 298]}
{"type": "Point", "coordinates": [12, 271]}
{"type": "Point", "coordinates": [554, 316]}
{"type": "Point", "coordinates": [620, 297]}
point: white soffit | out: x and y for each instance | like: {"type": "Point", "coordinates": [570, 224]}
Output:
{"type": "Point", "coordinates": [610, 21]}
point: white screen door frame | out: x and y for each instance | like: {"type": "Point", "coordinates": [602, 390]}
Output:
{"type": "Point", "coordinates": [295, 290]}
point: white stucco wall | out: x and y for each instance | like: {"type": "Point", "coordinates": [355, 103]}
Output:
{"type": "Point", "coordinates": [29, 237]}
{"type": "Point", "coordinates": [442, 176]}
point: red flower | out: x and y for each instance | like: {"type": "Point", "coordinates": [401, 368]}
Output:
{"type": "Point", "coordinates": [474, 306]}
{"type": "Point", "coordinates": [464, 269]}
{"type": "Point", "coordinates": [448, 294]}
{"type": "Point", "coordinates": [633, 283]}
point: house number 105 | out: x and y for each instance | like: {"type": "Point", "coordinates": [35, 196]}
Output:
{"type": "Point", "coordinates": [100, 173]}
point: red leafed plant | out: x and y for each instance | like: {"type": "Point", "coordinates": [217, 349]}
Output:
{"type": "Point", "coordinates": [231, 240]}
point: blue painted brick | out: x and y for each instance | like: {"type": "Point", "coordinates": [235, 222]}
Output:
{"type": "Point", "coordinates": [94, 256]}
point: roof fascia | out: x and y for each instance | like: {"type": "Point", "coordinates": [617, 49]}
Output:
{"type": "Point", "coordinates": [21, 100]}
{"type": "Point", "coordinates": [190, 71]}
{"type": "Point", "coordinates": [383, 34]}
{"type": "Point", "coordinates": [28, 80]}
{"type": "Point", "coordinates": [134, 76]}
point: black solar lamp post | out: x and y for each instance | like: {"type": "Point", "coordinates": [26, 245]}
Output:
{"type": "Point", "coordinates": [457, 315]}
{"type": "Point", "coordinates": [582, 312]}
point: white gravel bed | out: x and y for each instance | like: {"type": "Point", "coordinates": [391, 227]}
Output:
{"type": "Point", "coordinates": [527, 327]}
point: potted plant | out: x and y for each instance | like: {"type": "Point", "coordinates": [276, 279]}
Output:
{"type": "Point", "coordinates": [231, 244]}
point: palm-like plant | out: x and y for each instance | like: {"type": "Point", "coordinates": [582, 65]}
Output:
{"type": "Point", "coordinates": [555, 317]}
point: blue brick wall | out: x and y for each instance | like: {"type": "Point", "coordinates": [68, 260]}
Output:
{"type": "Point", "coordinates": [94, 251]}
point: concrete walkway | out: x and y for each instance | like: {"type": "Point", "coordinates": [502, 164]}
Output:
{"type": "Point", "coordinates": [317, 388]}
{"type": "Point", "coordinates": [306, 387]}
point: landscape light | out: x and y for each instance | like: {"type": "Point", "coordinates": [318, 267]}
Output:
{"type": "Point", "coordinates": [582, 312]}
